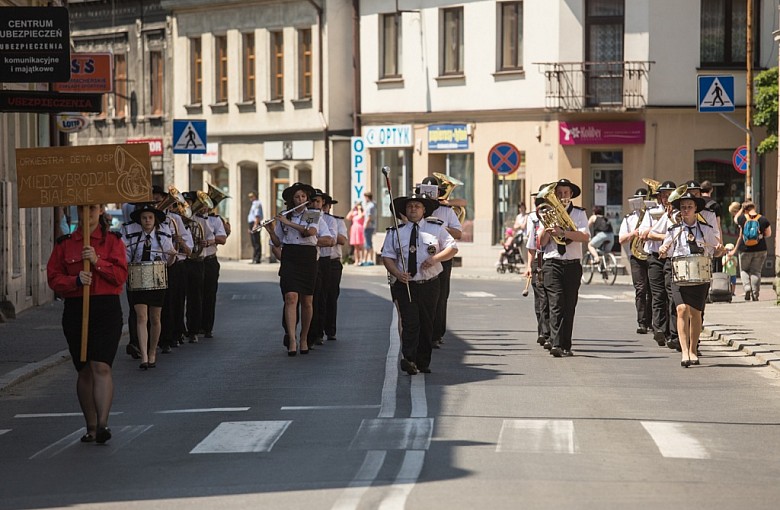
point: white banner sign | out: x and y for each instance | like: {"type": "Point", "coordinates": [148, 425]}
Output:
{"type": "Point", "coordinates": [358, 169]}
{"type": "Point", "coordinates": [388, 136]}
{"type": "Point", "coordinates": [600, 193]}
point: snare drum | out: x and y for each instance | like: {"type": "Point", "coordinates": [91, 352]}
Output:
{"type": "Point", "coordinates": [152, 275]}
{"type": "Point", "coordinates": [692, 269]}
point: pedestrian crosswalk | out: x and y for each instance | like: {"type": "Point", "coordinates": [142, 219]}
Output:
{"type": "Point", "coordinates": [674, 440]}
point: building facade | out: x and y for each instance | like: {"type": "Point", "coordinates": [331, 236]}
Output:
{"type": "Point", "coordinates": [273, 80]}
{"type": "Point", "coordinates": [601, 92]}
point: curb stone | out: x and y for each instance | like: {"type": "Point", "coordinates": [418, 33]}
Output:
{"type": "Point", "coordinates": [737, 338]}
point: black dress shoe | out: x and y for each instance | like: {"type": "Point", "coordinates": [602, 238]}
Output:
{"type": "Point", "coordinates": [408, 366]}
{"type": "Point", "coordinates": [435, 345]}
{"type": "Point", "coordinates": [567, 353]}
{"type": "Point", "coordinates": [167, 349]}
{"type": "Point", "coordinates": [143, 366]}
{"type": "Point", "coordinates": [133, 351]}
{"type": "Point", "coordinates": [332, 339]}
{"type": "Point", "coordinates": [103, 435]}
{"type": "Point", "coordinates": [641, 329]}
{"type": "Point", "coordinates": [673, 344]}
{"type": "Point", "coordinates": [319, 341]}
{"type": "Point", "coordinates": [541, 340]}
{"type": "Point", "coordinates": [556, 351]}
{"type": "Point", "coordinates": [547, 345]}
{"type": "Point", "coordinates": [208, 334]}
{"type": "Point", "coordinates": [425, 370]}
{"type": "Point", "coordinates": [659, 338]}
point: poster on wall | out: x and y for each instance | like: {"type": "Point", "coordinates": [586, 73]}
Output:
{"type": "Point", "coordinates": [600, 193]}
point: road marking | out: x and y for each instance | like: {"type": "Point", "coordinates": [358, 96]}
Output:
{"type": "Point", "coordinates": [532, 436]}
{"type": "Point", "coordinates": [393, 434]}
{"type": "Point", "coordinates": [419, 402]}
{"type": "Point", "coordinates": [390, 385]}
{"type": "Point", "coordinates": [404, 481]}
{"type": "Point", "coordinates": [55, 415]}
{"type": "Point", "coordinates": [121, 436]}
{"type": "Point", "coordinates": [3, 431]}
{"type": "Point", "coordinates": [328, 408]}
{"type": "Point", "coordinates": [478, 294]}
{"type": "Point", "coordinates": [673, 442]}
{"type": "Point", "coordinates": [351, 496]}
{"type": "Point", "coordinates": [245, 297]}
{"type": "Point", "coordinates": [206, 410]}
{"type": "Point", "coordinates": [242, 437]}
{"type": "Point", "coordinates": [594, 296]}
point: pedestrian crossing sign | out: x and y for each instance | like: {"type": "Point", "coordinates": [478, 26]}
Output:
{"type": "Point", "coordinates": [189, 136]}
{"type": "Point", "coordinates": [716, 93]}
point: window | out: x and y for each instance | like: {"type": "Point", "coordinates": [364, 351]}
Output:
{"type": "Point", "coordinates": [724, 33]}
{"type": "Point", "coordinates": [120, 85]}
{"type": "Point", "coordinates": [249, 67]}
{"type": "Point", "coordinates": [461, 167]}
{"type": "Point", "coordinates": [220, 69]}
{"type": "Point", "coordinates": [277, 66]}
{"type": "Point", "coordinates": [196, 72]}
{"type": "Point", "coordinates": [156, 82]}
{"type": "Point", "coordinates": [511, 43]}
{"type": "Point", "coordinates": [390, 50]}
{"type": "Point", "coordinates": [604, 29]}
{"type": "Point", "coordinates": [304, 63]}
{"type": "Point", "coordinates": [452, 41]}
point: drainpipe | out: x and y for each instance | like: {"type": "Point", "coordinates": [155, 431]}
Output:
{"type": "Point", "coordinates": [321, 93]}
{"type": "Point", "coordinates": [356, 106]}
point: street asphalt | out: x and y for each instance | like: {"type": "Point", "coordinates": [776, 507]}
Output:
{"type": "Point", "coordinates": [33, 342]}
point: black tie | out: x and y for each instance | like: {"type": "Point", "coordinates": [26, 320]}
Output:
{"type": "Point", "coordinates": [147, 253]}
{"type": "Point", "coordinates": [694, 248]}
{"type": "Point", "coordinates": [561, 248]}
{"type": "Point", "coordinates": [413, 251]}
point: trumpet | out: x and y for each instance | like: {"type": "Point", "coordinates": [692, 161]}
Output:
{"type": "Point", "coordinates": [264, 223]}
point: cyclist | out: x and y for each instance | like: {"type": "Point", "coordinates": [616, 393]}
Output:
{"type": "Point", "coordinates": [602, 232]}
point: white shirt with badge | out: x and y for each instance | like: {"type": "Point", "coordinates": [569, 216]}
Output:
{"type": "Point", "coordinates": [307, 218]}
{"type": "Point", "coordinates": [705, 236]}
{"type": "Point", "coordinates": [532, 231]}
{"type": "Point", "coordinates": [432, 238]}
{"type": "Point", "coordinates": [134, 238]}
{"type": "Point", "coordinates": [658, 226]}
{"type": "Point", "coordinates": [217, 228]}
{"type": "Point", "coordinates": [573, 249]}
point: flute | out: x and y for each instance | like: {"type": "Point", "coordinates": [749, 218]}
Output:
{"type": "Point", "coordinates": [271, 220]}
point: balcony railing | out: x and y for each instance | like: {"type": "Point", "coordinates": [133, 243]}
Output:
{"type": "Point", "coordinates": [580, 86]}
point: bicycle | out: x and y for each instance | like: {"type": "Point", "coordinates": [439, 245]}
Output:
{"type": "Point", "coordinates": [607, 267]}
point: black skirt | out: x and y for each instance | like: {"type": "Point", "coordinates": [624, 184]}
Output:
{"type": "Point", "coordinates": [147, 297]}
{"type": "Point", "coordinates": [298, 272]}
{"type": "Point", "coordinates": [694, 296]}
{"type": "Point", "coordinates": [105, 328]}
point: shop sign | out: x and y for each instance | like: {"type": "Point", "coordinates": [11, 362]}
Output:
{"type": "Point", "coordinates": [89, 72]}
{"type": "Point", "coordinates": [359, 169]}
{"type": "Point", "coordinates": [72, 122]}
{"type": "Point", "coordinates": [602, 133]}
{"type": "Point", "coordinates": [31, 101]}
{"type": "Point", "coordinates": [34, 44]}
{"type": "Point", "coordinates": [378, 137]}
{"type": "Point", "coordinates": [210, 157]}
{"type": "Point", "coordinates": [155, 145]}
{"type": "Point", "coordinates": [448, 137]}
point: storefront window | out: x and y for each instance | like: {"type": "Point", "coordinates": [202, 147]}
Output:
{"type": "Point", "coordinates": [222, 181]}
{"type": "Point", "coordinates": [509, 193]}
{"type": "Point", "coordinates": [399, 161]}
{"type": "Point", "coordinates": [461, 167]}
{"type": "Point", "coordinates": [607, 170]}
{"type": "Point", "coordinates": [728, 185]}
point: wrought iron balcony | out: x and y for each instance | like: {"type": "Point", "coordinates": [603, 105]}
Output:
{"type": "Point", "coordinates": [595, 86]}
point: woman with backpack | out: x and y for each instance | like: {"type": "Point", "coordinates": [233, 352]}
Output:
{"type": "Point", "coordinates": [754, 229]}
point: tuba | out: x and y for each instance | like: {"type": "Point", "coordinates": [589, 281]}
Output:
{"type": "Point", "coordinates": [217, 195]}
{"type": "Point", "coordinates": [638, 245]}
{"type": "Point", "coordinates": [200, 206]}
{"type": "Point", "coordinates": [552, 213]}
{"type": "Point", "coordinates": [448, 184]}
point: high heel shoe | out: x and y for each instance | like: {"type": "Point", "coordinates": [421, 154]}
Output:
{"type": "Point", "coordinates": [103, 434]}
{"type": "Point", "coordinates": [694, 361]}
{"type": "Point", "coordinates": [685, 364]}
{"type": "Point", "coordinates": [292, 353]}
{"type": "Point", "coordinates": [304, 351]}
{"type": "Point", "coordinates": [143, 366]}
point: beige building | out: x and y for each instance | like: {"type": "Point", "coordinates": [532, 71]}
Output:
{"type": "Point", "coordinates": [603, 93]}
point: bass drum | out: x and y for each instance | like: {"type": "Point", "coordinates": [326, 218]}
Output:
{"type": "Point", "coordinates": [151, 275]}
{"type": "Point", "coordinates": [692, 270]}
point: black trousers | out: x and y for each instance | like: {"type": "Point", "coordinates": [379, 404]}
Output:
{"type": "Point", "coordinates": [642, 294]}
{"type": "Point", "coordinates": [541, 307]}
{"type": "Point", "coordinates": [417, 317]}
{"type": "Point", "coordinates": [132, 322]}
{"type": "Point", "coordinates": [660, 294]}
{"type": "Point", "coordinates": [257, 245]}
{"type": "Point", "coordinates": [562, 285]}
{"type": "Point", "coordinates": [194, 270]}
{"type": "Point", "coordinates": [440, 320]}
{"type": "Point", "coordinates": [173, 309]}
{"type": "Point", "coordinates": [673, 335]}
{"type": "Point", "coordinates": [210, 287]}
{"type": "Point", "coordinates": [332, 297]}
{"type": "Point", "coordinates": [317, 326]}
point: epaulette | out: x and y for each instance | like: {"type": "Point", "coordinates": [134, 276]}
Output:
{"type": "Point", "coordinates": [166, 234]}
{"type": "Point", "coordinates": [676, 225]}
{"type": "Point", "coordinates": [580, 208]}
{"type": "Point", "coordinates": [391, 228]}
{"type": "Point", "coordinates": [434, 220]}
{"type": "Point", "coordinates": [127, 223]}
{"type": "Point", "coordinates": [444, 205]}
{"type": "Point", "coordinates": [62, 238]}
{"type": "Point", "coordinates": [628, 215]}
{"type": "Point", "coordinates": [213, 215]}
{"type": "Point", "coordinates": [133, 234]}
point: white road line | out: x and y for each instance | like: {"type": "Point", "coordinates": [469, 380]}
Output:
{"type": "Point", "coordinates": [55, 415]}
{"type": "Point", "coordinates": [405, 481]}
{"type": "Point", "coordinates": [3, 431]}
{"type": "Point", "coordinates": [58, 446]}
{"type": "Point", "coordinates": [120, 437]}
{"type": "Point", "coordinates": [242, 437]}
{"type": "Point", "coordinates": [419, 402]}
{"type": "Point", "coordinates": [594, 296]}
{"type": "Point", "coordinates": [328, 408]}
{"type": "Point", "coordinates": [351, 496]}
{"type": "Point", "coordinates": [532, 436]}
{"type": "Point", "coordinates": [206, 410]}
{"type": "Point", "coordinates": [478, 294]}
{"type": "Point", "coordinates": [390, 385]}
{"type": "Point", "coordinates": [674, 442]}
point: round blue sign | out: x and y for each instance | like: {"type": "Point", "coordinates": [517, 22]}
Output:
{"type": "Point", "coordinates": [740, 159]}
{"type": "Point", "coordinates": [504, 158]}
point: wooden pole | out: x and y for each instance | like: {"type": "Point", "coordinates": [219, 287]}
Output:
{"type": "Point", "coordinates": [85, 305]}
{"type": "Point", "coordinates": [749, 102]}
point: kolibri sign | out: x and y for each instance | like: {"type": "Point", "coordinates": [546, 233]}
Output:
{"type": "Point", "coordinates": [94, 174]}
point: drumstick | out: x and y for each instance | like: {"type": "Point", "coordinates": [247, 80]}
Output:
{"type": "Point", "coordinates": [527, 283]}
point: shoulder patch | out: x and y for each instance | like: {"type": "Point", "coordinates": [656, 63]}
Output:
{"type": "Point", "coordinates": [390, 228]}
{"type": "Point", "coordinates": [338, 217]}
{"type": "Point", "coordinates": [62, 238]}
{"type": "Point", "coordinates": [434, 220]}
{"type": "Point", "coordinates": [444, 205]}
{"type": "Point", "coordinates": [705, 224]}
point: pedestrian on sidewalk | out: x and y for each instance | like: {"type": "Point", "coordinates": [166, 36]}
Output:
{"type": "Point", "coordinates": [751, 244]}
{"type": "Point", "coordinates": [66, 276]}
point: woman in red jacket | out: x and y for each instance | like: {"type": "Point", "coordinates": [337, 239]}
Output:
{"type": "Point", "coordinates": [106, 279]}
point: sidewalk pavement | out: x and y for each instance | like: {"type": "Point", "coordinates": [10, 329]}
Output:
{"type": "Point", "coordinates": [33, 342]}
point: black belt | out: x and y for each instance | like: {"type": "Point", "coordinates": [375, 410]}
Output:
{"type": "Point", "coordinates": [209, 257]}
{"type": "Point", "coordinates": [563, 262]}
{"type": "Point", "coordinates": [655, 254]}
{"type": "Point", "coordinates": [420, 282]}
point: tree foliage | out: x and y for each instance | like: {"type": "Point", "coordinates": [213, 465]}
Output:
{"type": "Point", "coordinates": [766, 108]}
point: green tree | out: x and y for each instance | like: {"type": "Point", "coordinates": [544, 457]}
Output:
{"type": "Point", "coordinates": [766, 108]}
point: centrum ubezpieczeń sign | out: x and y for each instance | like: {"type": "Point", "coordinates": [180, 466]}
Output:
{"type": "Point", "coordinates": [34, 44]}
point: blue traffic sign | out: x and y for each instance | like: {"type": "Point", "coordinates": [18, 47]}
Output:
{"type": "Point", "coordinates": [740, 159]}
{"type": "Point", "coordinates": [716, 93]}
{"type": "Point", "coordinates": [504, 159]}
{"type": "Point", "coordinates": [189, 136]}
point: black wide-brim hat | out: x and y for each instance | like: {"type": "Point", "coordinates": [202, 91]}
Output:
{"type": "Point", "coordinates": [693, 184]}
{"type": "Point", "coordinates": [575, 190]}
{"type": "Point", "coordinates": [667, 186]}
{"type": "Point", "coordinates": [159, 215]}
{"type": "Point", "coordinates": [329, 200]}
{"type": "Point", "coordinates": [689, 196]}
{"type": "Point", "coordinates": [399, 204]}
{"type": "Point", "coordinates": [287, 194]}
{"type": "Point", "coordinates": [641, 192]}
